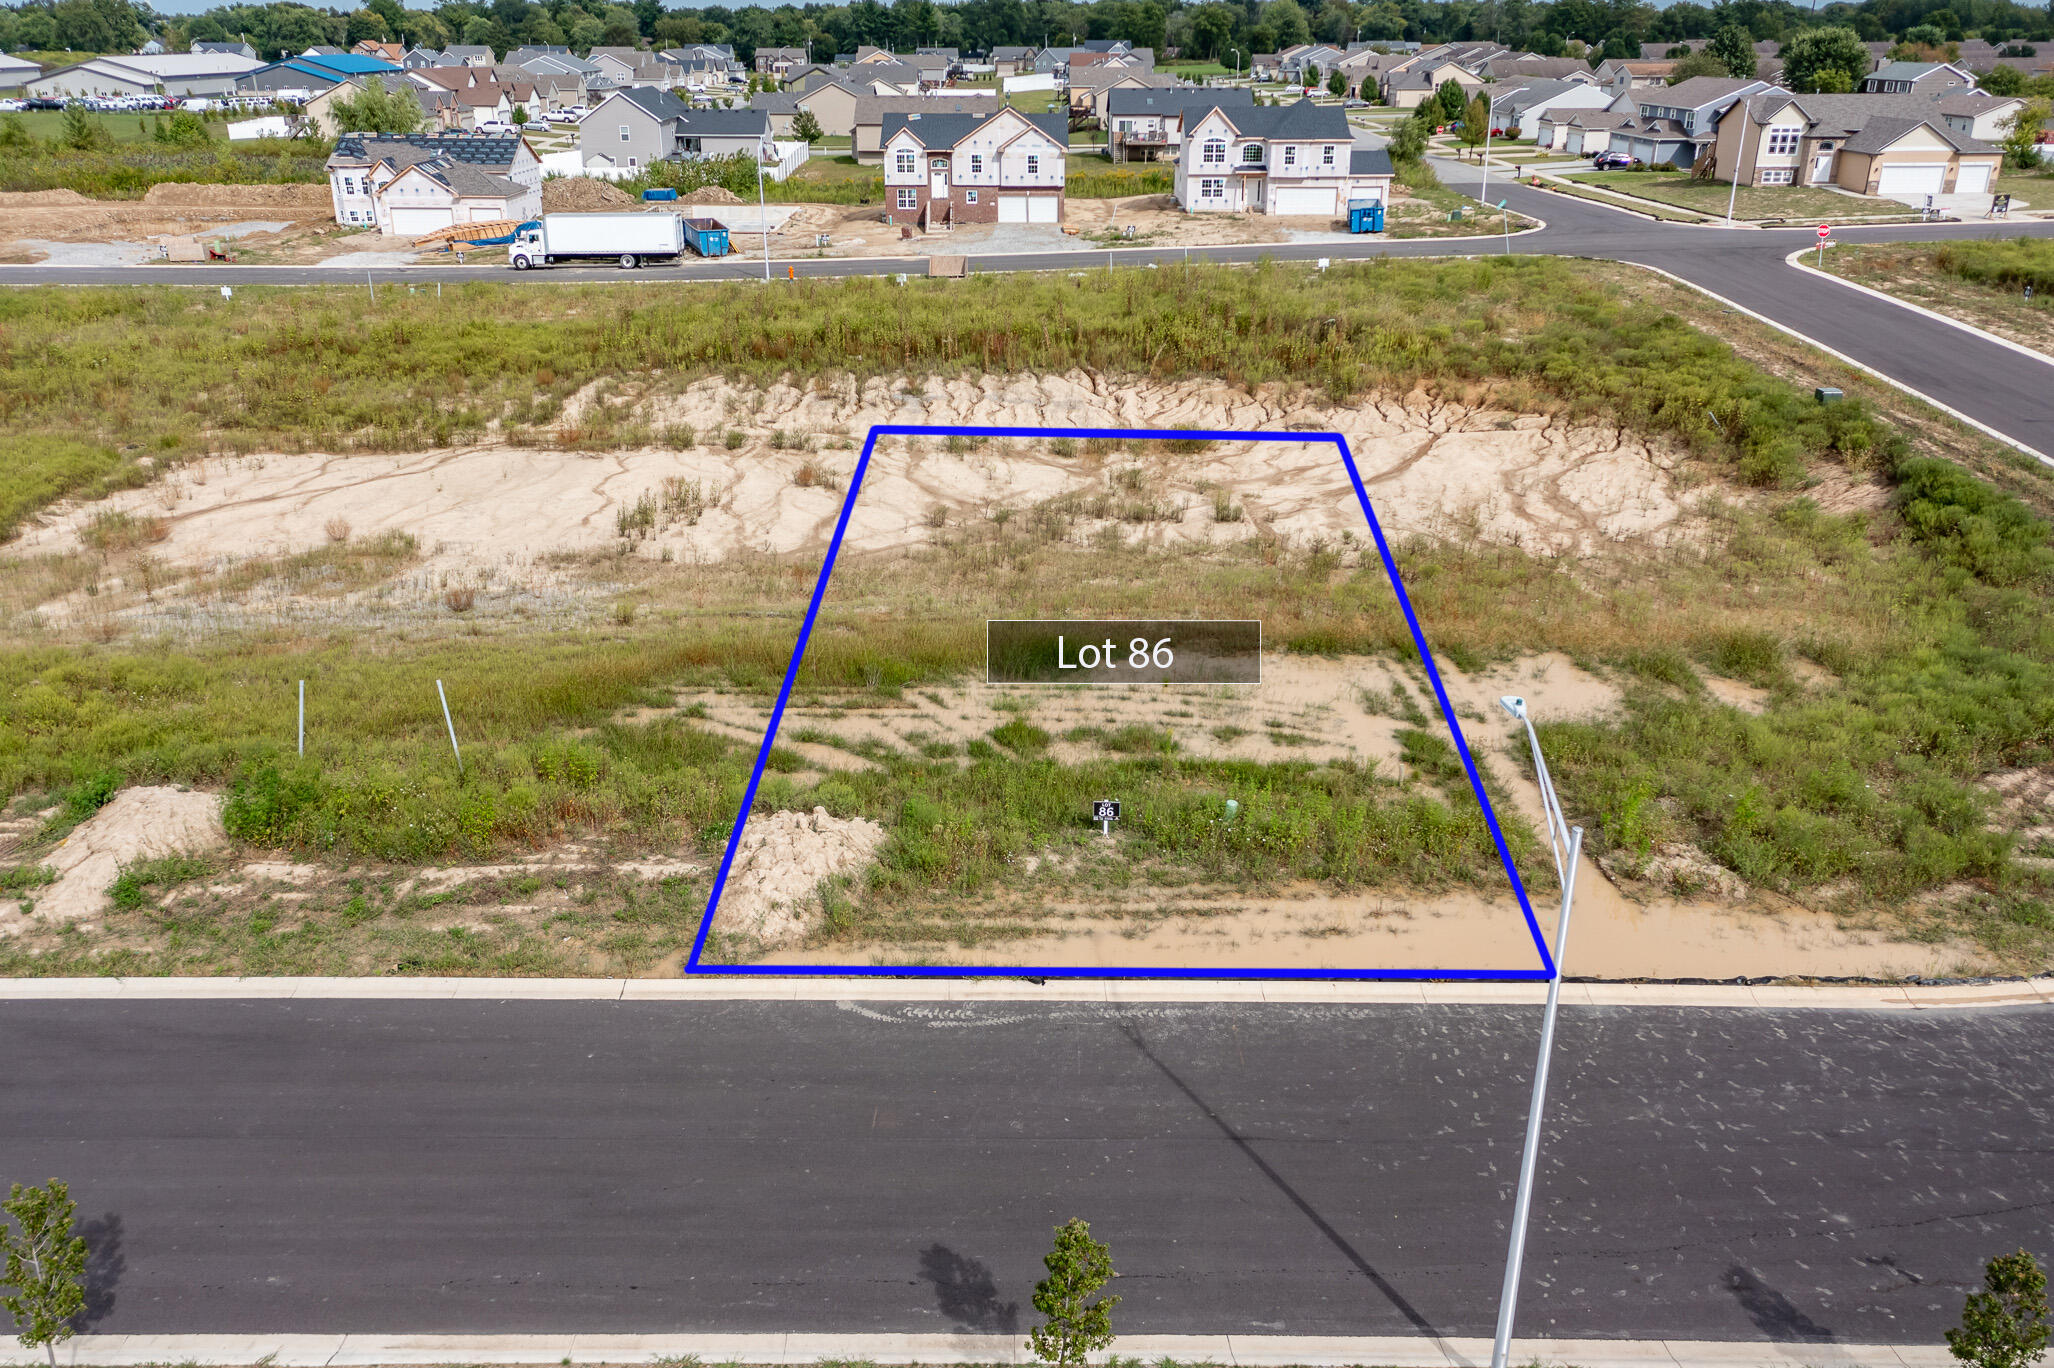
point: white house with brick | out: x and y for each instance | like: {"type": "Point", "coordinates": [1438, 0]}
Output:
{"type": "Point", "coordinates": [1002, 167]}
{"type": "Point", "coordinates": [414, 183]}
{"type": "Point", "coordinates": [1267, 159]}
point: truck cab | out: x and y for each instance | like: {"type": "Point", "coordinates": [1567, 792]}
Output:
{"type": "Point", "coordinates": [527, 250]}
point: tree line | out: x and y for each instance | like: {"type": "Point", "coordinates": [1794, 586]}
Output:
{"type": "Point", "coordinates": [1228, 32]}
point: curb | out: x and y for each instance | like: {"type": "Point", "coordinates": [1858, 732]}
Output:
{"type": "Point", "coordinates": [1796, 259]}
{"type": "Point", "coordinates": [1111, 992]}
{"type": "Point", "coordinates": [1255, 1351]}
{"type": "Point", "coordinates": [1846, 360]}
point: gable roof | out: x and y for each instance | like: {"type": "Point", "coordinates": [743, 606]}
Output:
{"type": "Point", "coordinates": [462, 178]}
{"type": "Point", "coordinates": [1130, 102]}
{"type": "Point", "coordinates": [487, 151]}
{"type": "Point", "coordinates": [660, 105]}
{"type": "Point", "coordinates": [775, 102]}
{"type": "Point", "coordinates": [1699, 91]}
{"type": "Point", "coordinates": [726, 123]}
{"type": "Point", "coordinates": [939, 131]}
{"type": "Point", "coordinates": [872, 109]}
{"type": "Point", "coordinates": [1364, 161]}
{"type": "Point", "coordinates": [1913, 71]}
{"type": "Point", "coordinates": [1878, 134]}
{"type": "Point", "coordinates": [1304, 119]}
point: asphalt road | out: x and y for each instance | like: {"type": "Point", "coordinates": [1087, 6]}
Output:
{"type": "Point", "coordinates": [581, 1167]}
{"type": "Point", "coordinates": [2005, 390]}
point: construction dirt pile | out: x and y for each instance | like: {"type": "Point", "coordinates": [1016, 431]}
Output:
{"type": "Point", "coordinates": [138, 824]}
{"type": "Point", "coordinates": [581, 194]}
{"type": "Point", "coordinates": [783, 860]}
{"type": "Point", "coordinates": [711, 194]}
{"type": "Point", "coordinates": [34, 199]}
{"type": "Point", "coordinates": [186, 193]}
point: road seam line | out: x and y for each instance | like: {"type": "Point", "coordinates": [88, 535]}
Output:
{"type": "Point", "coordinates": [1845, 360]}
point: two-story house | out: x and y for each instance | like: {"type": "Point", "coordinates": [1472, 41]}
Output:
{"type": "Point", "coordinates": [1295, 160]}
{"type": "Point", "coordinates": [1916, 78]}
{"type": "Point", "coordinates": [1677, 124]}
{"type": "Point", "coordinates": [941, 170]}
{"type": "Point", "coordinates": [1871, 144]}
{"type": "Point", "coordinates": [1141, 125]}
{"type": "Point", "coordinates": [414, 183]}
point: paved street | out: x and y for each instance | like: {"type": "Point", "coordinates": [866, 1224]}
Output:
{"type": "Point", "coordinates": [261, 1166]}
{"type": "Point", "coordinates": [2008, 392]}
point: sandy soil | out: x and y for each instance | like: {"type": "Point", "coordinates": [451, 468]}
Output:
{"type": "Point", "coordinates": [491, 513]}
{"type": "Point", "coordinates": [136, 824]}
{"type": "Point", "coordinates": [1320, 710]}
{"type": "Point", "coordinates": [780, 865]}
{"type": "Point", "coordinates": [29, 223]}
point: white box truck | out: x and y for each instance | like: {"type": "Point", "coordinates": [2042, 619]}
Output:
{"type": "Point", "coordinates": [629, 239]}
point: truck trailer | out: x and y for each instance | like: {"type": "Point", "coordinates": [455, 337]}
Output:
{"type": "Point", "coordinates": [629, 239]}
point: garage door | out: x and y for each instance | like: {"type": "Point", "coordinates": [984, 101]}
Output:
{"type": "Point", "coordinates": [1041, 209]}
{"type": "Point", "coordinates": [414, 222]}
{"type": "Point", "coordinates": [1301, 201]}
{"type": "Point", "coordinates": [1972, 180]}
{"type": "Point", "coordinates": [1012, 208]}
{"type": "Point", "coordinates": [1912, 180]}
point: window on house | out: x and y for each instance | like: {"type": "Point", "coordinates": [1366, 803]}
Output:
{"type": "Point", "coordinates": [904, 164]}
{"type": "Point", "coordinates": [1782, 142]}
{"type": "Point", "coordinates": [632, 161]}
{"type": "Point", "coordinates": [1779, 175]}
{"type": "Point", "coordinates": [1290, 156]}
{"type": "Point", "coordinates": [1033, 164]}
{"type": "Point", "coordinates": [625, 135]}
{"type": "Point", "coordinates": [976, 163]}
{"type": "Point", "coordinates": [1327, 155]}
{"type": "Point", "coordinates": [909, 199]}
{"type": "Point", "coordinates": [969, 197]}
{"type": "Point", "coordinates": [1215, 154]}
{"type": "Point", "coordinates": [1251, 155]}
{"type": "Point", "coordinates": [1210, 188]}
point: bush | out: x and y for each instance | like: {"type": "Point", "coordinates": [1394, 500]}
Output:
{"type": "Point", "coordinates": [1966, 524]}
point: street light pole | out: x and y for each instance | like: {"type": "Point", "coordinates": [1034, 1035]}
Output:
{"type": "Point", "coordinates": [1490, 115]}
{"type": "Point", "coordinates": [763, 213]}
{"type": "Point", "coordinates": [1566, 842]}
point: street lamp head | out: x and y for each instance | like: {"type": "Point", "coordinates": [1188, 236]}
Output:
{"type": "Point", "coordinates": [1514, 705]}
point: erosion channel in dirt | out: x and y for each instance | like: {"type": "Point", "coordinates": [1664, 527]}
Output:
{"type": "Point", "coordinates": [849, 858]}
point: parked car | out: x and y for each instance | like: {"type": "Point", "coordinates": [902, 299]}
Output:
{"type": "Point", "coordinates": [1614, 161]}
{"type": "Point", "coordinates": [13, 106]}
{"type": "Point", "coordinates": [43, 102]}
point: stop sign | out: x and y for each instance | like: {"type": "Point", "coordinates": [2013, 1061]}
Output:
{"type": "Point", "coordinates": [1825, 231]}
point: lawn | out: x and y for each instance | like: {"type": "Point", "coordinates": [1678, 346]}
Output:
{"type": "Point", "coordinates": [1036, 101]}
{"type": "Point", "coordinates": [46, 125]}
{"type": "Point", "coordinates": [1597, 196]}
{"type": "Point", "coordinates": [1802, 202]}
{"type": "Point", "coordinates": [1982, 283]}
{"type": "Point", "coordinates": [2027, 189]}
{"type": "Point", "coordinates": [1904, 649]}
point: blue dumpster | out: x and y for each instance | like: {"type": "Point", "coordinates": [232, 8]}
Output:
{"type": "Point", "coordinates": [648, 195]}
{"type": "Point", "coordinates": [706, 237]}
{"type": "Point", "coordinates": [1365, 216]}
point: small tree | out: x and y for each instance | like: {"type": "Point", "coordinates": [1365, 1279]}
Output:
{"type": "Point", "coordinates": [519, 117]}
{"type": "Point", "coordinates": [1451, 99]}
{"type": "Point", "coordinates": [46, 1265]}
{"type": "Point", "coordinates": [806, 128]}
{"type": "Point", "coordinates": [374, 109]}
{"type": "Point", "coordinates": [1408, 141]}
{"type": "Point", "coordinates": [2005, 1324]}
{"type": "Point", "coordinates": [1476, 122]}
{"type": "Point", "coordinates": [2022, 132]}
{"type": "Point", "coordinates": [80, 131]}
{"type": "Point", "coordinates": [1077, 1324]}
{"type": "Point", "coordinates": [1819, 60]}
{"type": "Point", "coordinates": [1337, 84]}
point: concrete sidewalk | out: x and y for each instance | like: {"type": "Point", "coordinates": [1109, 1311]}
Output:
{"type": "Point", "coordinates": [825, 988]}
{"type": "Point", "coordinates": [1258, 1351]}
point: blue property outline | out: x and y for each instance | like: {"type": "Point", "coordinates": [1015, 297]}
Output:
{"type": "Point", "coordinates": [841, 527]}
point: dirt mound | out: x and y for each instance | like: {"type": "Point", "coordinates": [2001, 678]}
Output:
{"type": "Point", "coordinates": [138, 824]}
{"type": "Point", "coordinates": [29, 199]}
{"type": "Point", "coordinates": [785, 857]}
{"type": "Point", "coordinates": [309, 197]}
{"type": "Point", "coordinates": [711, 194]}
{"type": "Point", "coordinates": [581, 193]}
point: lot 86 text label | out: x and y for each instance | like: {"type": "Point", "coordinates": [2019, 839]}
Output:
{"type": "Point", "coordinates": [1032, 651]}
